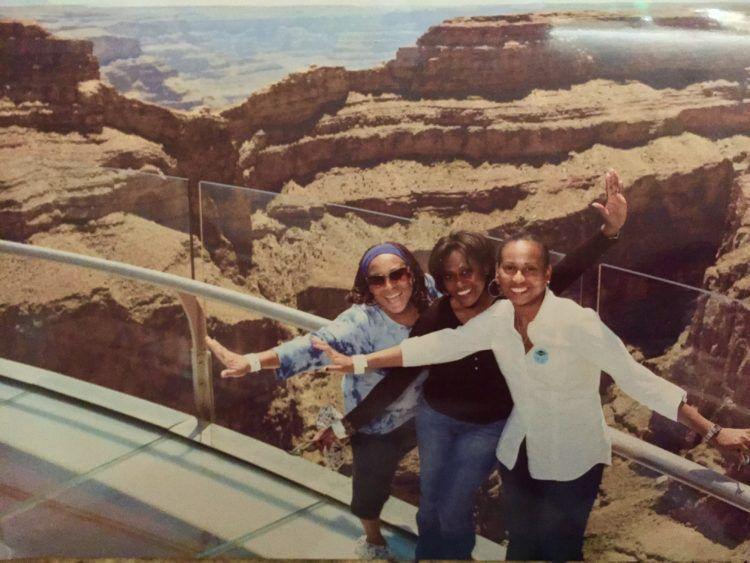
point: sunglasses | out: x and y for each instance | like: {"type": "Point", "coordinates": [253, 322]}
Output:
{"type": "Point", "coordinates": [395, 276]}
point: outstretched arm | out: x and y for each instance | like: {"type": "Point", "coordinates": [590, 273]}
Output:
{"type": "Point", "coordinates": [602, 347]}
{"type": "Point", "coordinates": [237, 365]}
{"type": "Point", "coordinates": [348, 331]}
{"type": "Point", "coordinates": [442, 346]}
{"type": "Point", "coordinates": [386, 358]}
{"type": "Point", "coordinates": [390, 387]}
{"type": "Point", "coordinates": [727, 438]}
{"type": "Point", "coordinates": [614, 213]}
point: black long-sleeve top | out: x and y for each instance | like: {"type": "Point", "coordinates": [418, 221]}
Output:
{"type": "Point", "coordinates": [472, 389]}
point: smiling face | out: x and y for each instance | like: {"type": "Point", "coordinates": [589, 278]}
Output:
{"type": "Point", "coordinates": [463, 279]}
{"type": "Point", "coordinates": [522, 273]}
{"type": "Point", "coordinates": [392, 295]}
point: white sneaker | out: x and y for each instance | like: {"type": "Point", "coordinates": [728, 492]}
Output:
{"type": "Point", "coordinates": [365, 550]}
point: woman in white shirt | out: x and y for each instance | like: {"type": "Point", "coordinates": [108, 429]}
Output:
{"type": "Point", "coordinates": [554, 445]}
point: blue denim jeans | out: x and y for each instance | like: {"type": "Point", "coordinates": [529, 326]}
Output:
{"type": "Point", "coordinates": [455, 458]}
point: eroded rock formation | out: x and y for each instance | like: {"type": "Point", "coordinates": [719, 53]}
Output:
{"type": "Point", "coordinates": [493, 123]}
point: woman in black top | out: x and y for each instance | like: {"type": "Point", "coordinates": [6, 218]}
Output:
{"type": "Point", "coordinates": [467, 402]}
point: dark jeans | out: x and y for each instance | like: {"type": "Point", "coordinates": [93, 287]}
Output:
{"type": "Point", "coordinates": [376, 458]}
{"type": "Point", "coordinates": [455, 458]}
{"type": "Point", "coordinates": [546, 520]}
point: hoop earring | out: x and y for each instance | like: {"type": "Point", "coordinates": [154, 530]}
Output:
{"type": "Point", "coordinates": [493, 289]}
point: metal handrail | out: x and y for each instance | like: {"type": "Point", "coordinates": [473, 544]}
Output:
{"type": "Point", "coordinates": [187, 290]}
{"type": "Point", "coordinates": [685, 471]}
{"type": "Point", "coordinates": [275, 311]}
{"type": "Point", "coordinates": [681, 469]}
{"type": "Point", "coordinates": [718, 296]}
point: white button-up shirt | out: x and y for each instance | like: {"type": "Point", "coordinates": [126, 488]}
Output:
{"type": "Point", "coordinates": [555, 386]}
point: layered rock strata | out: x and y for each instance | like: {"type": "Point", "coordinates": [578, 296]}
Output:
{"type": "Point", "coordinates": [545, 126]}
{"type": "Point", "coordinates": [41, 186]}
{"type": "Point", "coordinates": [492, 123]}
{"type": "Point", "coordinates": [496, 57]}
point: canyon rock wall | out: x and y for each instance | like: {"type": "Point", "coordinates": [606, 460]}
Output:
{"type": "Point", "coordinates": [37, 65]}
{"type": "Point", "coordinates": [487, 123]}
{"type": "Point", "coordinates": [39, 75]}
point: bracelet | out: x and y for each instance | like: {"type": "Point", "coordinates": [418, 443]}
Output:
{"type": "Point", "coordinates": [359, 362]}
{"type": "Point", "coordinates": [712, 432]}
{"type": "Point", "coordinates": [254, 362]}
{"type": "Point", "coordinates": [613, 237]}
{"type": "Point", "coordinates": [342, 428]}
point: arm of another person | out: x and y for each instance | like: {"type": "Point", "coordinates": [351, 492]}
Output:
{"type": "Point", "coordinates": [595, 341]}
{"type": "Point", "coordinates": [296, 355]}
{"type": "Point", "coordinates": [387, 389]}
{"type": "Point", "coordinates": [614, 213]}
{"type": "Point", "coordinates": [442, 346]}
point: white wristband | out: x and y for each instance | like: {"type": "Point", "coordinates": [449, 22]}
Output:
{"type": "Point", "coordinates": [360, 364]}
{"type": "Point", "coordinates": [254, 362]}
{"type": "Point", "coordinates": [339, 430]}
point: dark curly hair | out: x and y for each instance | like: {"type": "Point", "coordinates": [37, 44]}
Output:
{"type": "Point", "coordinates": [475, 246]}
{"type": "Point", "coordinates": [361, 294]}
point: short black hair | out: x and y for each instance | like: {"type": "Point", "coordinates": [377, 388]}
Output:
{"type": "Point", "coordinates": [361, 294]}
{"type": "Point", "coordinates": [475, 246]}
{"type": "Point", "coordinates": [529, 237]}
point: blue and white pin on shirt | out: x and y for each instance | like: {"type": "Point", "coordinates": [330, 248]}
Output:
{"type": "Point", "coordinates": [541, 356]}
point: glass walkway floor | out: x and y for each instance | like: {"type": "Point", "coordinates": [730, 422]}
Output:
{"type": "Point", "coordinates": [78, 480]}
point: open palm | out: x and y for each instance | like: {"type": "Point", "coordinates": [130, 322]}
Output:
{"type": "Point", "coordinates": [236, 365]}
{"type": "Point", "coordinates": [614, 211]}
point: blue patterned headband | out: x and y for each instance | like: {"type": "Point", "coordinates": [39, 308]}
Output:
{"type": "Point", "coordinates": [375, 251]}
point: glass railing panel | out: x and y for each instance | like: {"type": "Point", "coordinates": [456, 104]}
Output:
{"type": "Point", "coordinates": [117, 333]}
{"type": "Point", "coordinates": [691, 336]}
{"type": "Point", "coordinates": [109, 213]}
{"type": "Point", "coordinates": [695, 339]}
{"type": "Point", "coordinates": [291, 249]}
{"type": "Point", "coordinates": [647, 313]}
{"type": "Point", "coordinates": [294, 250]}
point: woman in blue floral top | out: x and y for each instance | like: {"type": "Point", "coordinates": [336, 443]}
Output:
{"type": "Point", "coordinates": [390, 290]}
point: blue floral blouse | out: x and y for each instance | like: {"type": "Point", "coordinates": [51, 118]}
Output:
{"type": "Point", "coordinates": [361, 329]}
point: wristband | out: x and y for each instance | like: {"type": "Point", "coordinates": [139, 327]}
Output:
{"type": "Point", "coordinates": [339, 430]}
{"type": "Point", "coordinates": [254, 362]}
{"type": "Point", "coordinates": [712, 432]}
{"type": "Point", "coordinates": [360, 364]}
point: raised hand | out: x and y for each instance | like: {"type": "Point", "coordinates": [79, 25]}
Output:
{"type": "Point", "coordinates": [614, 212]}
{"type": "Point", "coordinates": [339, 361]}
{"type": "Point", "coordinates": [236, 364]}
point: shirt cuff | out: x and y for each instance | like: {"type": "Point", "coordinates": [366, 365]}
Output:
{"type": "Point", "coordinates": [673, 398]}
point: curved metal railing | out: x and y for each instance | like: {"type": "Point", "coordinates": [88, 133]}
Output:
{"type": "Point", "coordinates": [676, 467]}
